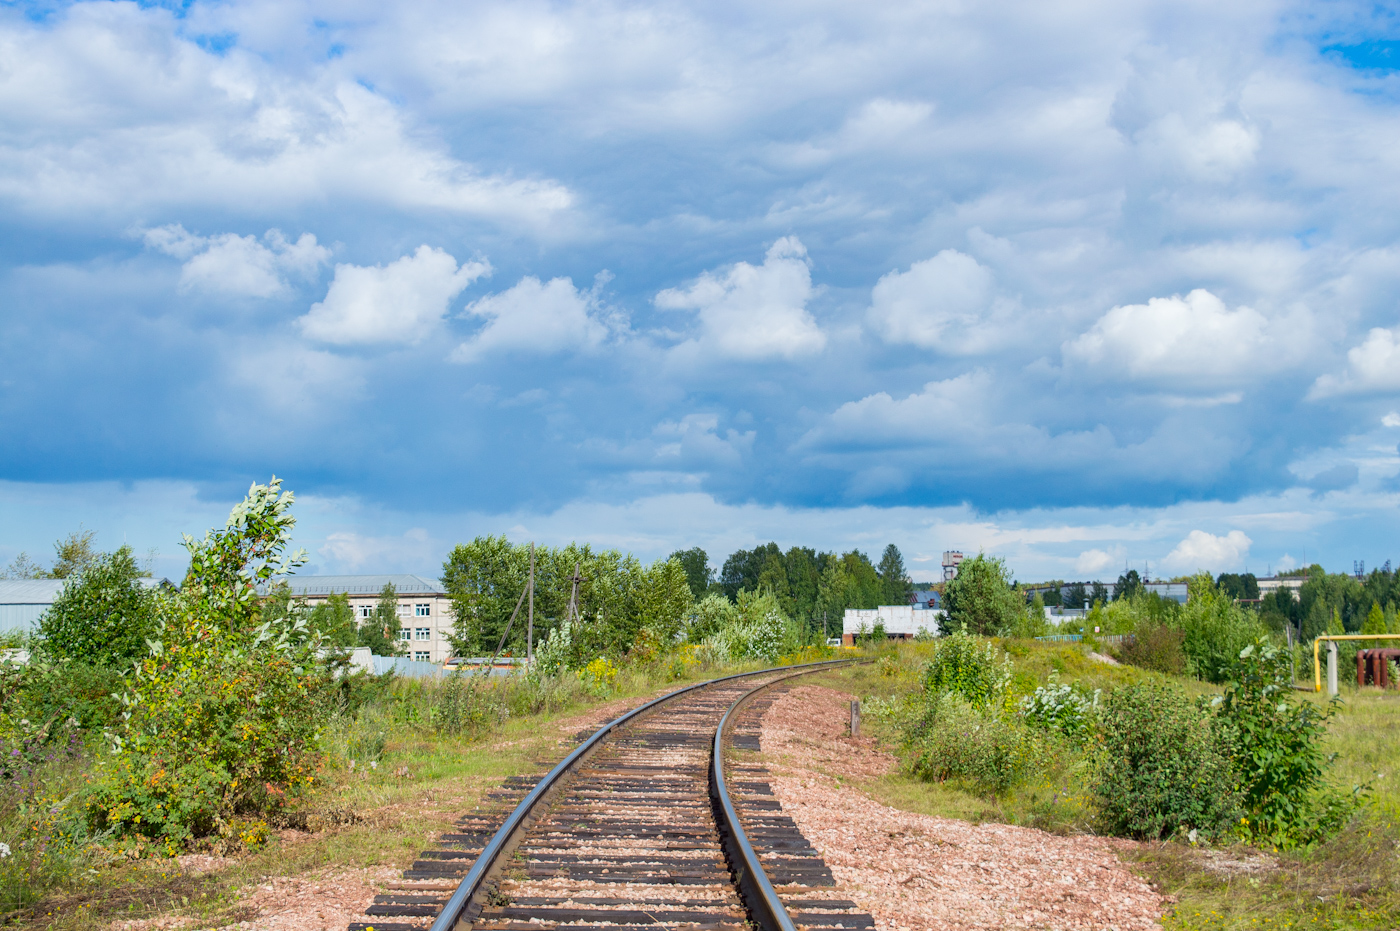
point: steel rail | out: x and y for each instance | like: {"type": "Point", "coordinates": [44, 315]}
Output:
{"type": "Point", "coordinates": [755, 888]}
{"type": "Point", "coordinates": [454, 913]}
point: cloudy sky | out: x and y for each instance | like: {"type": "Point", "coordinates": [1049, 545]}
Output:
{"type": "Point", "coordinates": [1081, 284]}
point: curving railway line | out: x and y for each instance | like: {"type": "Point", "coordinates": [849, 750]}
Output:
{"type": "Point", "coordinates": [648, 824]}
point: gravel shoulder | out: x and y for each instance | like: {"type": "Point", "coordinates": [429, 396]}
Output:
{"type": "Point", "coordinates": [914, 871]}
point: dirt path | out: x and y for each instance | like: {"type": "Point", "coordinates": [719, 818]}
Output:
{"type": "Point", "coordinates": [915, 872]}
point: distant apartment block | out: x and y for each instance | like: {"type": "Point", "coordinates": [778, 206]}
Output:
{"type": "Point", "coordinates": [424, 609]}
{"type": "Point", "coordinates": [1274, 583]}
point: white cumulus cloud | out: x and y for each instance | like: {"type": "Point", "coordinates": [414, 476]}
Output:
{"type": "Point", "coordinates": [401, 302]}
{"type": "Point", "coordinates": [1194, 339]}
{"type": "Point", "coordinates": [354, 552]}
{"type": "Point", "coordinates": [122, 111]}
{"type": "Point", "coordinates": [695, 440]}
{"type": "Point", "coordinates": [1374, 366]}
{"type": "Point", "coordinates": [238, 265]}
{"type": "Point", "coordinates": [1201, 550]}
{"type": "Point", "coordinates": [534, 316]}
{"type": "Point", "coordinates": [1092, 561]}
{"type": "Point", "coordinates": [938, 303]}
{"type": "Point", "coordinates": [755, 312]}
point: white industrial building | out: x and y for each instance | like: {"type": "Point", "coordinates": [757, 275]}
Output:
{"type": "Point", "coordinates": [24, 601]}
{"type": "Point", "coordinates": [900, 621]}
{"type": "Point", "coordinates": [424, 609]}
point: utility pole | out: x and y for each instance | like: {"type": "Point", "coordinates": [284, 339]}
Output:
{"type": "Point", "coordinates": [530, 620]}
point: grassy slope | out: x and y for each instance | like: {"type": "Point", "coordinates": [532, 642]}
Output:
{"type": "Point", "coordinates": [1352, 882]}
{"type": "Point", "coordinates": [357, 819]}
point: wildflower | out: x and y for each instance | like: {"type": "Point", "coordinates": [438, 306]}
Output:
{"type": "Point", "coordinates": [4, 851]}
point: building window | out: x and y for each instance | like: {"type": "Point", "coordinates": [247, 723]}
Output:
{"type": "Point", "coordinates": [421, 610]}
{"type": "Point", "coordinates": [423, 656]}
{"type": "Point", "coordinates": [405, 610]}
{"type": "Point", "coordinates": [405, 634]}
{"type": "Point", "coordinates": [366, 610]}
{"type": "Point", "coordinates": [423, 633]}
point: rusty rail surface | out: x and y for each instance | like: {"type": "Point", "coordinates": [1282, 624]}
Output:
{"type": "Point", "coordinates": [635, 828]}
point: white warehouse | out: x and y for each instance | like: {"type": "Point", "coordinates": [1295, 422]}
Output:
{"type": "Point", "coordinates": [901, 622]}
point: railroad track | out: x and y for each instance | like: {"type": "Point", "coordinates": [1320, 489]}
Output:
{"type": "Point", "coordinates": [645, 825]}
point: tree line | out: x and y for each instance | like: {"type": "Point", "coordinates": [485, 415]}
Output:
{"type": "Point", "coordinates": [620, 599]}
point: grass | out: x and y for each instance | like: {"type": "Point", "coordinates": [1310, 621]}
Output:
{"type": "Point", "coordinates": [1349, 883]}
{"type": "Point", "coordinates": [359, 817]}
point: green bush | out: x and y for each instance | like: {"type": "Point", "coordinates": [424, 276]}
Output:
{"type": "Point", "coordinates": [1070, 710]}
{"type": "Point", "coordinates": [220, 721]}
{"type": "Point", "coordinates": [956, 741]}
{"type": "Point", "coordinates": [1276, 745]}
{"type": "Point", "coordinates": [1161, 767]}
{"type": "Point", "coordinates": [465, 706]}
{"type": "Point", "coordinates": [103, 616]}
{"type": "Point", "coordinates": [969, 667]}
{"type": "Point", "coordinates": [1157, 647]}
{"type": "Point", "coordinates": [1214, 630]}
{"type": "Point", "coordinates": [756, 628]}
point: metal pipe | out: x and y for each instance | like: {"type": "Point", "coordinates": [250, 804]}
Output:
{"type": "Point", "coordinates": [1317, 651]}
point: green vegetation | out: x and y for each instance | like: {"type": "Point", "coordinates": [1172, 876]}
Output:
{"type": "Point", "coordinates": [72, 555]}
{"type": "Point", "coordinates": [152, 723]}
{"type": "Point", "coordinates": [103, 616]}
{"type": "Point", "coordinates": [1162, 769]}
{"type": "Point", "coordinates": [813, 588]}
{"type": "Point", "coordinates": [981, 598]}
{"type": "Point", "coordinates": [1259, 806]}
{"type": "Point", "coordinates": [624, 602]}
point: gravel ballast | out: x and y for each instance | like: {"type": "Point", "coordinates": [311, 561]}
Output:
{"type": "Point", "coordinates": [914, 872]}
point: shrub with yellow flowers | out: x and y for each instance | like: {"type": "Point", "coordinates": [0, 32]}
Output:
{"type": "Point", "coordinates": [219, 721]}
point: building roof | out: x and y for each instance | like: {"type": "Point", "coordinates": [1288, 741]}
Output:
{"type": "Point", "coordinates": [404, 584]}
{"type": "Point", "coordinates": [30, 591]}
{"type": "Point", "coordinates": [45, 591]}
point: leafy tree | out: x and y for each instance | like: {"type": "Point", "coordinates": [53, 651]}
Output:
{"type": "Point", "coordinates": [698, 574]}
{"type": "Point", "coordinates": [73, 553]}
{"type": "Point", "coordinates": [385, 623]}
{"type": "Point", "coordinates": [24, 568]}
{"type": "Point", "coordinates": [103, 616]}
{"type": "Point", "coordinates": [982, 598]}
{"type": "Point", "coordinates": [742, 569]}
{"type": "Point", "coordinates": [1279, 608]}
{"type": "Point", "coordinates": [222, 716]}
{"type": "Point", "coordinates": [618, 597]}
{"type": "Point", "coordinates": [804, 576]}
{"type": "Point", "coordinates": [895, 586]}
{"type": "Point", "coordinates": [1098, 594]}
{"type": "Point", "coordinates": [1326, 594]}
{"type": "Point", "coordinates": [774, 578]}
{"type": "Point", "coordinates": [484, 578]}
{"type": "Point", "coordinates": [1129, 585]}
{"type": "Point", "coordinates": [1240, 586]}
{"type": "Point", "coordinates": [1375, 621]}
{"type": "Point", "coordinates": [849, 581]}
{"type": "Point", "coordinates": [1075, 596]}
{"type": "Point", "coordinates": [334, 620]}
{"type": "Point", "coordinates": [1215, 629]}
